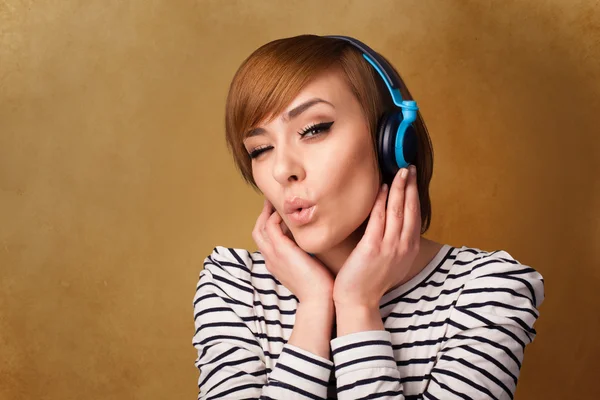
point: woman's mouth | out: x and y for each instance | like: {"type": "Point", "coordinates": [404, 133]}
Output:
{"type": "Point", "coordinates": [302, 216]}
{"type": "Point", "coordinates": [299, 210]}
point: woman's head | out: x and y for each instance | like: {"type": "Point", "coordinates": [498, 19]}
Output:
{"type": "Point", "coordinates": [324, 150]}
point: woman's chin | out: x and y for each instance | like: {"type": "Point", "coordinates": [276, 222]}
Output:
{"type": "Point", "coordinates": [320, 239]}
{"type": "Point", "coordinates": [312, 244]}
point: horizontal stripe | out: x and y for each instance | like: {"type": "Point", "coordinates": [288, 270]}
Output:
{"type": "Point", "coordinates": [458, 328]}
{"type": "Point", "coordinates": [463, 379]}
{"type": "Point", "coordinates": [364, 360]}
{"type": "Point", "coordinates": [361, 344]}
{"type": "Point", "coordinates": [363, 382]}
{"type": "Point", "coordinates": [294, 389]}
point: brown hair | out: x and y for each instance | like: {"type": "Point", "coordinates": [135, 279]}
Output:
{"type": "Point", "coordinates": [274, 74]}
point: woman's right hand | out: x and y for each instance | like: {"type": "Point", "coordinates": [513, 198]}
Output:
{"type": "Point", "coordinates": [308, 279]}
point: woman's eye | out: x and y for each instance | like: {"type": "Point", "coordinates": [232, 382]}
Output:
{"type": "Point", "coordinates": [258, 151]}
{"type": "Point", "coordinates": [313, 130]}
{"type": "Point", "coordinates": [310, 131]}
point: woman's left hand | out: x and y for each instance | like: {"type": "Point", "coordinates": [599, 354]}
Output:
{"type": "Point", "coordinates": [388, 248]}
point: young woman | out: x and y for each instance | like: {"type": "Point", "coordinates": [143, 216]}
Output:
{"type": "Point", "coordinates": [345, 298]}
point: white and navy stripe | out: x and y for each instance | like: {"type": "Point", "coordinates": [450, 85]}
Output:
{"type": "Point", "coordinates": [458, 330]}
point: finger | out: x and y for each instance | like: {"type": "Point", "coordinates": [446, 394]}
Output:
{"type": "Point", "coordinates": [280, 242]}
{"type": "Point", "coordinates": [270, 210]}
{"type": "Point", "coordinates": [273, 230]}
{"type": "Point", "coordinates": [286, 231]}
{"type": "Point", "coordinates": [258, 233]}
{"type": "Point", "coordinates": [395, 207]}
{"type": "Point", "coordinates": [265, 213]}
{"type": "Point", "coordinates": [411, 230]}
{"type": "Point", "coordinates": [376, 225]}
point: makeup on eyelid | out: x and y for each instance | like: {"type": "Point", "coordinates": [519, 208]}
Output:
{"type": "Point", "coordinates": [318, 128]}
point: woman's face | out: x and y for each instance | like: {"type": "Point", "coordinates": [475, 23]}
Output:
{"type": "Point", "coordinates": [319, 159]}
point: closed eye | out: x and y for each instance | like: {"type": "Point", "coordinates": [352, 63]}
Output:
{"type": "Point", "coordinates": [308, 132]}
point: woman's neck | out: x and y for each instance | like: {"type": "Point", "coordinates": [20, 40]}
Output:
{"type": "Point", "coordinates": [335, 257]}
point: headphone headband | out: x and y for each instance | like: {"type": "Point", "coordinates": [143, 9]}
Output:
{"type": "Point", "coordinates": [388, 74]}
{"type": "Point", "coordinates": [396, 136]}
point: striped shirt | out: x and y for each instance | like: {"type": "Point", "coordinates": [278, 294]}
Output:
{"type": "Point", "coordinates": [457, 330]}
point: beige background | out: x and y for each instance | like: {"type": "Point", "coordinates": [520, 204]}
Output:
{"type": "Point", "coordinates": [115, 181]}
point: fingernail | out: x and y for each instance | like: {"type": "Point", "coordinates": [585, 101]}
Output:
{"type": "Point", "coordinates": [403, 172]}
{"type": "Point", "coordinates": [413, 170]}
{"type": "Point", "coordinates": [385, 187]}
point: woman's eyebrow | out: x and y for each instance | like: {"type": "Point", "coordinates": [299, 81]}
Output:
{"type": "Point", "coordinates": [293, 113]}
{"type": "Point", "coordinates": [303, 107]}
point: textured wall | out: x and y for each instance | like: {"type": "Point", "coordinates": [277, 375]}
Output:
{"type": "Point", "coordinates": [115, 181]}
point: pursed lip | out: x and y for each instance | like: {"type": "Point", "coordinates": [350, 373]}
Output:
{"type": "Point", "coordinates": [293, 204]}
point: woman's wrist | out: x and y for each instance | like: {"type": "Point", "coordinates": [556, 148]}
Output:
{"type": "Point", "coordinates": [313, 327]}
{"type": "Point", "coordinates": [359, 318]}
{"type": "Point", "coordinates": [324, 307]}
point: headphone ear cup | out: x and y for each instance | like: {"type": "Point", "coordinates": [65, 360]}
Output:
{"type": "Point", "coordinates": [386, 141]}
{"type": "Point", "coordinates": [409, 146]}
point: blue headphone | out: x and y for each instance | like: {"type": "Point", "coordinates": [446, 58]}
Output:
{"type": "Point", "coordinates": [396, 136]}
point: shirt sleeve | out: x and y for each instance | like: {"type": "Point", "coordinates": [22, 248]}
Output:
{"type": "Point", "coordinates": [364, 366]}
{"type": "Point", "coordinates": [230, 358]}
{"type": "Point", "coordinates": [490, 326]}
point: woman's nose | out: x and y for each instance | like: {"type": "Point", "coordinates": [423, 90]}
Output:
{"type": "Point", "coordinates": [287, 166]}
